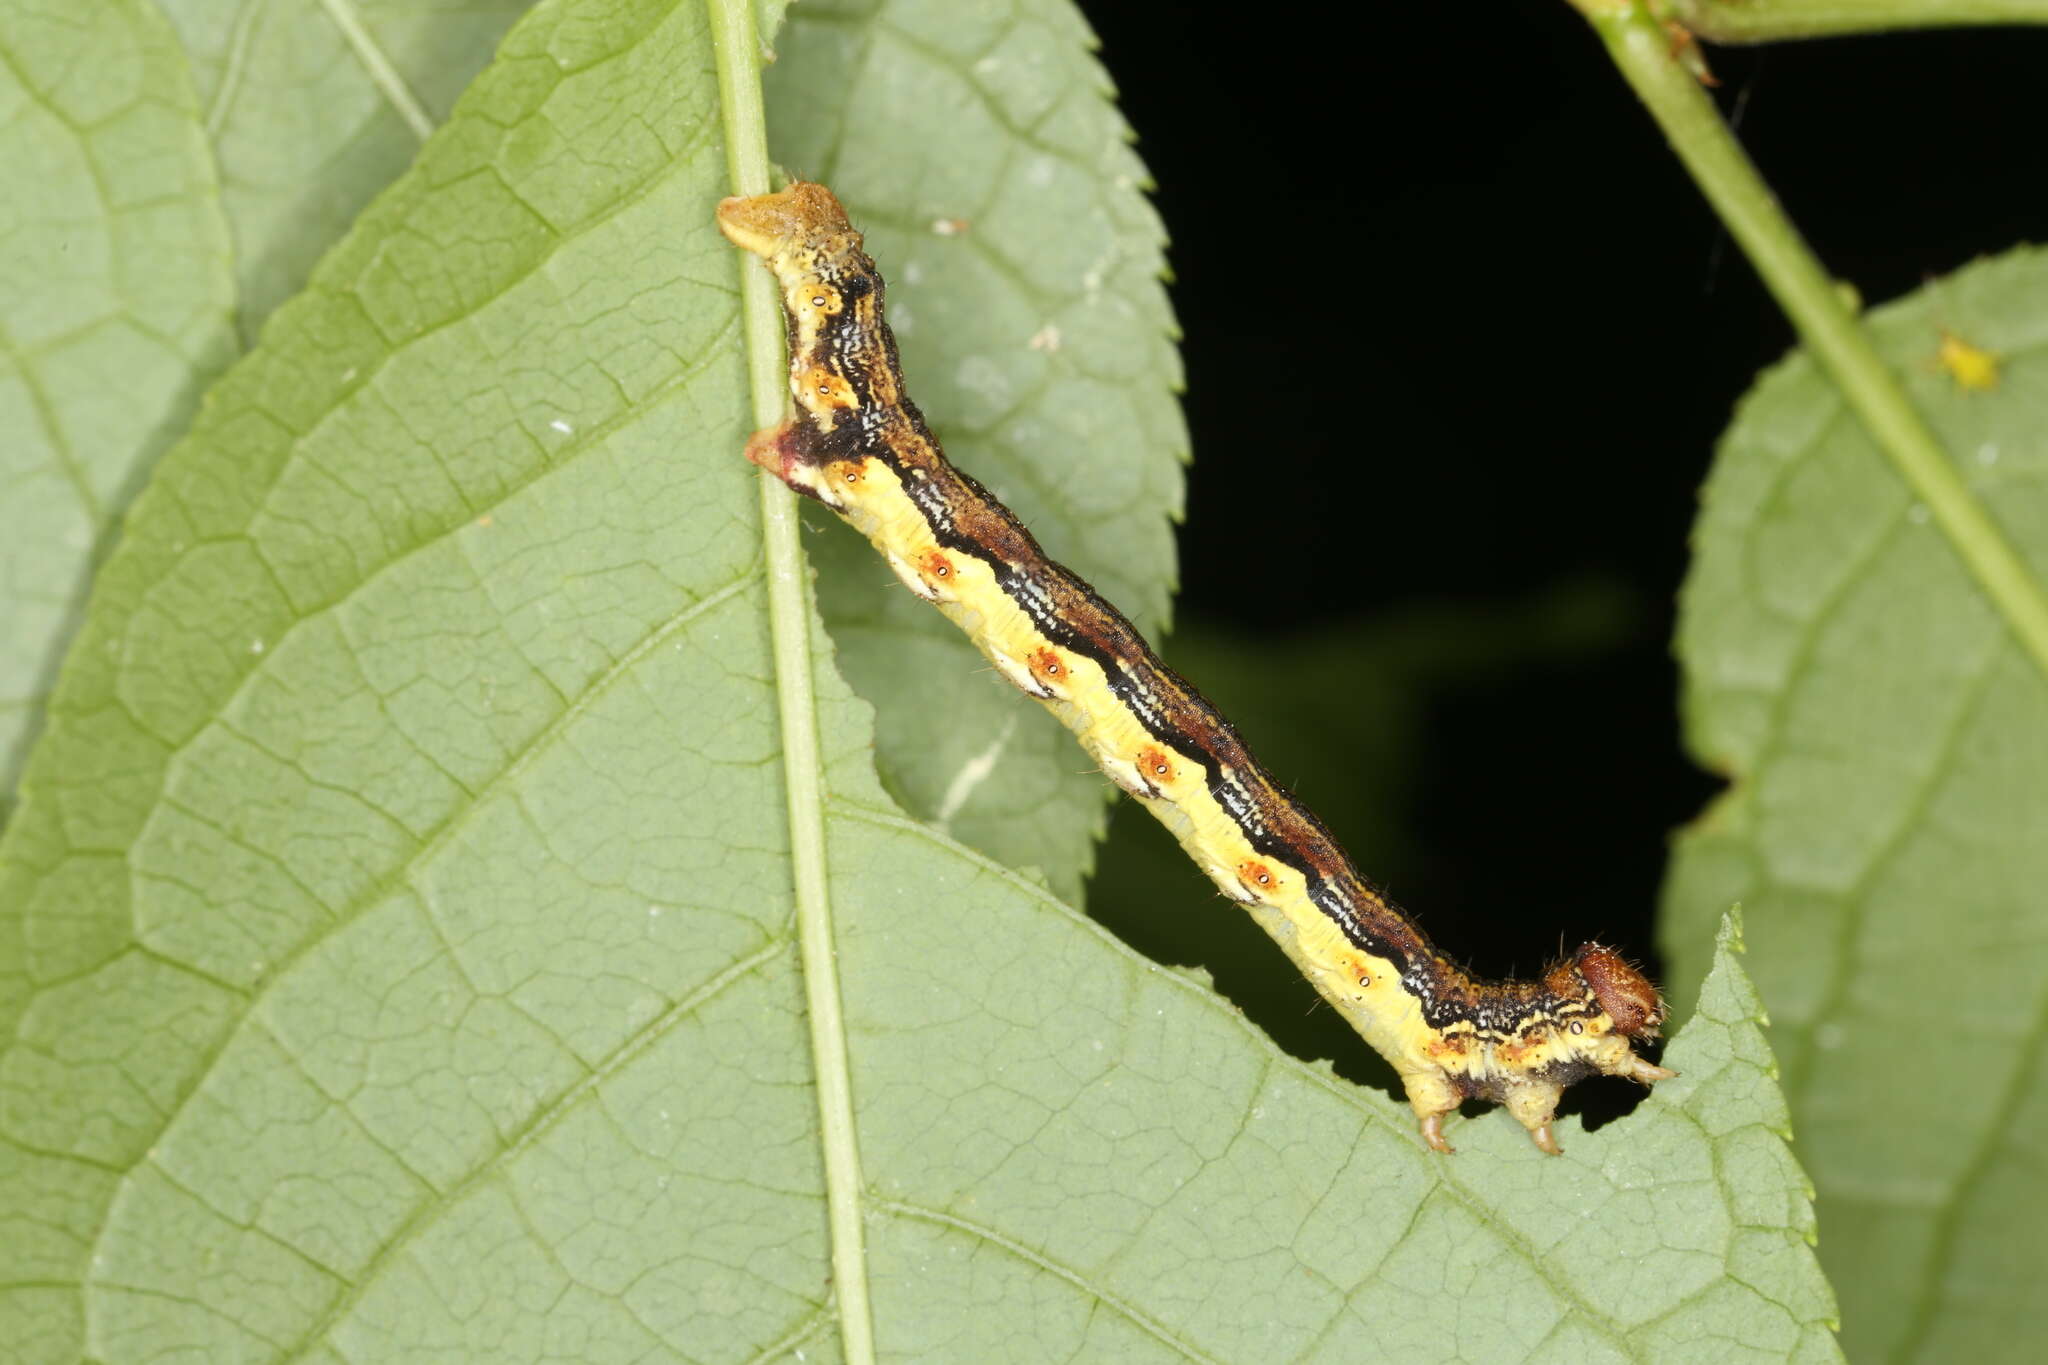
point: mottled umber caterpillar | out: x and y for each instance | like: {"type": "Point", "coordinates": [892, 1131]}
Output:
{"type": "Point", "coordinates": [857, 444]}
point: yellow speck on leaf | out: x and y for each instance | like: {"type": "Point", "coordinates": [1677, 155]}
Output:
{"type": "Point", "coordinates": [1974, 369]}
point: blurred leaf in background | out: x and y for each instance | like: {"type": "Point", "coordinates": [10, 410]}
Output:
{"type": "Point", "coordinates": [311, 108]}
{"type": "Point", "coordinates": [116, 304]}
{"type": "Point", "coordinates": [186, 163]}
{"type": "Point", "coordinates": [1887, 742]}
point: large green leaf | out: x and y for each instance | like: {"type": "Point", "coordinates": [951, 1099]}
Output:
{"type": "Point", "coordinates": [115, 297]}
{"type": "Point", "coordinates": [1888, 742]}
{"type": "Point", "coordinates": [395, 952]}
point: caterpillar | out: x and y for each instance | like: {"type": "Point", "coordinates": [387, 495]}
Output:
{"type": "Point", "coordinates": [856, 443]}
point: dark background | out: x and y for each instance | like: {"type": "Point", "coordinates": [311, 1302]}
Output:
{"type": "Point", "coordinates": [1460, 336]}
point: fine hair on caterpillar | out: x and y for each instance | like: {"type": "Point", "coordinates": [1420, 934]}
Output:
{"type": "Point", "coordinates": [855, 442]}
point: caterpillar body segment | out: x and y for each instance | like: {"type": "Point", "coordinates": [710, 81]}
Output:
{"type": "Point", "coordinates": [856, 443]}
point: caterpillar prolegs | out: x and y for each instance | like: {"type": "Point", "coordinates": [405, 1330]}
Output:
{"type": "Point", "coordinates": [856, 443]}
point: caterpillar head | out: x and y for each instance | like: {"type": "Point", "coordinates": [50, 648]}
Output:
{"type": "Point", "coordinates": [803, 217]}
{"type": "Point", "coordinates": [1632, 1005]}
{"type": "Point", "coordinates": [1623, 992]}
{"type": "Point", "coordinates": [1629, 1009]}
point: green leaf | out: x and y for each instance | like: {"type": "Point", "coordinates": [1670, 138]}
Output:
{"type": "Point", "coordinates": [1094, 1159]}
{"type": "Point", "coordinates": [313, 106]}
{"type": "Point", "coordinates": [1024, 269]}
{"type": "Point", "coordinates": [114, 310]}
{"type": "Point", "coordinates": [1888, 744]}
{"type": "Point", "coordinates": [395, 942]}
{"type": "Point", "coordinates": [431, 520]}
{"type": "Point", "coordinates": [1728, 1087]}
{"type": "Point", "coordinates": [302, 112]}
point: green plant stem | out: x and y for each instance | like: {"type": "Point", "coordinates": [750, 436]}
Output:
{"type": "Point", "coordinates": [789, 612]}
{"type": "Point", "coordinates": [1642, 49]}
{"type": "Point", "coordinates": [1763, 21]}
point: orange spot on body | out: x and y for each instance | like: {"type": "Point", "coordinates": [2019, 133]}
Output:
{"type": "Point", "coordinates": [819, 387]}
{"type": "Point", "coordinates": [1047, 665]}
{"type": "Point", "coordinates": [1451, 1045]}
{"type": "Point", "coordinates": [936, 565]}
{"type": "Point", "coordinates": [1155, 765]}
{"type": "Point", "coordinates": [1255, 874]}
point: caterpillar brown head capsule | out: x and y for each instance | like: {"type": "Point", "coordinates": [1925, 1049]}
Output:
{"type": "Point", "coordinates": [856, 442]}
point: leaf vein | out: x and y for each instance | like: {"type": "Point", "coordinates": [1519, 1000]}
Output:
{"type": "Point", "coordinates": [433, 843]}
{"type": "Point", "coordinates": [543, 1120]}
{"type": "Point", "coordinates": [1129, 1312]}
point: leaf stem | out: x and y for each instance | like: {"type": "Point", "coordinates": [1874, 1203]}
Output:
{"type": "Point", "coordinates": [1643, 50]}
{"type": "Point", "coordinates": [1763, 21]}
{"type": "Point", "coordinates": [383, 73]}
{"type": "Point", "coordinates": [789, 614]}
